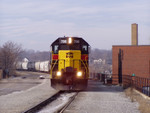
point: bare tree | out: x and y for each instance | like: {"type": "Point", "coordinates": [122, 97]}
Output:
{"type": "Point", "coordinates": [35, 55]}
{"type": "Point", "coordinates": [9, 54]}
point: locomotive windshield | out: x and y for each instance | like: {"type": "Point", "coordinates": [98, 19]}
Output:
{"type": "Point", "coordinates": [70, 47]}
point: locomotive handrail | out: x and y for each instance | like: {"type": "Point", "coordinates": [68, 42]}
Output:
{"type": "Point", "coordinates": [84, 66]}
{"type": "Point", "coordinates": [53, 66]}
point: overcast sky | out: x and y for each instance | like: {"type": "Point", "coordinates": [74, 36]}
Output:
{"type": "Point", "coordinates": [102, 23]}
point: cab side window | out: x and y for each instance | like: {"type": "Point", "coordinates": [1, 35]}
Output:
{"type": "Point", "coordinates": [55, 49]}
{"type": "Point", "coordinates": [84, 49]}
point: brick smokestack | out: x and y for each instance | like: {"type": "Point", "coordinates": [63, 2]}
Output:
{"type": "Point", "coordinates": [134, 33]}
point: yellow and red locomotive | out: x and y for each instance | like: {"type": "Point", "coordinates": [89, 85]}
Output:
{"type": "Point", "coordinates": [69, 63]}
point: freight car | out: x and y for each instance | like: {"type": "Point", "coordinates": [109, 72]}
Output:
{"type": "Point", "coordinates": [24, 65]}
{"type": "Point", "coordinates": [31, 66]}
{"type": "Point", "coordinates": [19, 65]}
{"type": "Point", "coordinates": [69, 63]}
{"type": "Point", "coordinates": [44, 66]}
{"type": "Point", "coordinates": [41, 66]}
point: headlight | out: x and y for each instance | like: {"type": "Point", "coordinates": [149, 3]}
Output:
{"type": "Point", "coordinates": [79, 74]}
{"type": "Point", "coordinates": [58, 74]}
{"type": "Point", "coordinates": [70, 40]}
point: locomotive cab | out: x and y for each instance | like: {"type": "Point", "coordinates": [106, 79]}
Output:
{"type": "Point", "coordinates": [69, 63]}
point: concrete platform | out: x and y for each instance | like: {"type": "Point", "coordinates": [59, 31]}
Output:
{"type": "Point", "coordinates": [99, 98]}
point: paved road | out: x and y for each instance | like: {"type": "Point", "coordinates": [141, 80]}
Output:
{"type": "Point", "coordinates": [19, 94]}
{"type": "Point", "coordinates": [99, 98]}
{"type": "Point", "coordinates": [25, 81]}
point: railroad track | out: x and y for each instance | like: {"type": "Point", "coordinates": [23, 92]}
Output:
{"type": "Point", "coordinates": [68, 103]}
{"type": "Point", "coordinates": [51, 104]}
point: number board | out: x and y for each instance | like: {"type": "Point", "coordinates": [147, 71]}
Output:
{"type": "Point", "coordinates": [63, 41]}
{"type": "Point", "coordinates": [76, 41]}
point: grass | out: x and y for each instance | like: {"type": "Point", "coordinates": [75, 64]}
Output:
{"type": "Point", "coordinates": [144, 103]}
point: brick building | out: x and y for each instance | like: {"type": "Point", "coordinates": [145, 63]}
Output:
{"type": "Point", "coordinates": [128, 60]}
{"type": "Point", "coordinates": [132, 59]}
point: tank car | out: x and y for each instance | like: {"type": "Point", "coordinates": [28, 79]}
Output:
{"type": "Point", "coordinates": [19, 65]}
{"type": "Point", "coordinates": [69, 63]}
{"type": "Point", "coordinates": [24, 65]}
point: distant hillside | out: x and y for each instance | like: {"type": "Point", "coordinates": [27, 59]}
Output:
{"type": "Point", "coordinates": [32, 55]}
{"type": "Point", "coordinates": [97, 54]}
{"type": "Point", "coordinates": [101, 61]}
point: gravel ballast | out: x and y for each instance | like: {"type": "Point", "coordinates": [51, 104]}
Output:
{"type": "Point", "coordinates": [99, 98]}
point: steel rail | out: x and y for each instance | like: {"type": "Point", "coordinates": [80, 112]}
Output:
{"type": "Point", "coordinates": [43, 103]}
{"type": "Point", "coordinates": [68, 103]}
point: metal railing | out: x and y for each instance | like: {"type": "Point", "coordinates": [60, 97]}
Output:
{"type": "Point", "coordinates": [127, 81]}
{"type": "Point", "coordinates": [142, 85]}
{"type": "Point", "coordinates": [105, 78]}
{"type": "Point", "coordinates": [139, 83]}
